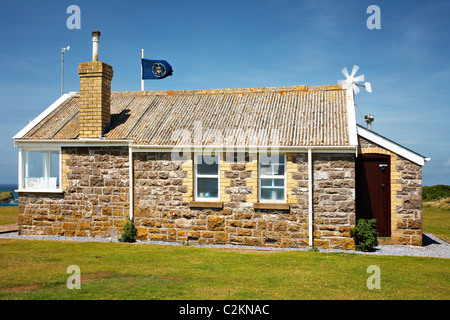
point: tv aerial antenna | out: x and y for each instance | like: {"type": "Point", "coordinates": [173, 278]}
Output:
{"type": "Point", "coordinates": [63, 50]}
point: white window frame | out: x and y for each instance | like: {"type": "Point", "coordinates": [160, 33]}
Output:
{"type": "Point", "coordinates": [23, 168]}
{"type": "Point", "coordinates": [196, 175]}
{"type": "Point", "coordinates": [267, 176]}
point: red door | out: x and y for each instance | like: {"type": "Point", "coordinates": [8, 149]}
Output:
{"type": "Point", "coordinates": [373, 192]}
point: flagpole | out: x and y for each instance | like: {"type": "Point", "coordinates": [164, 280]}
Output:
{"type": "Point", "coordinates": [142, 80]}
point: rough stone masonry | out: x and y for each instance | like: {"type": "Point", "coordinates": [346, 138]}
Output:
{"type": "Point", "coordinates": [164, 209]}
{"type": "Point", "coordinates": [95, 201]}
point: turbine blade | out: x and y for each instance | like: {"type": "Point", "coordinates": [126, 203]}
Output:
{"type": "Point", "coordinates": [355, 89]}
{"type": "Point", "coordinates": [354, 70]}
{"type": "Point", "coordinates": [359, 78]}
{"type": "Point", "coordinates": [345, 72]}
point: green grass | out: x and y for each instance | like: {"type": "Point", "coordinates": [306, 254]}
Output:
{"type": "Point", "coordinates": [9, 215]}
{"type": "Point", "coordinates": [436, 220]}
{"type": "Point", "coordinates": [4, 195]}
{"type": "Point", "coordinates": [31, 269]}
{"type": "Point", "coordinates": [37, 270]}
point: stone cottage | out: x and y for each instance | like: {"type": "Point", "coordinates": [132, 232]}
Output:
{"type": "Point", "coordinates": [285, 167]}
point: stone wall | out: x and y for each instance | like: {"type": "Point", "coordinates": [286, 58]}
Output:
{"type": "Point", "coordinates": [158, 196]}
{"type": "Point", "coordinates": [95, 201]}
{"type": "Point", "coordinates": [334, 200]}
{"type": "Point", "coordinates": [95, 198]}
{"type": "Point", "coordinates": [406, 196]}
{"type": "Point", "coordinates": [165, 210]}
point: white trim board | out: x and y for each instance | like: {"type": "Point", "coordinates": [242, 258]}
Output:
{"type": "Point", "coordinates": [391, 146]}
{"type": "Point", "coordinates": [45, 113]}
{"type": "Point", "coordinates": [45, 144]}
{"type": "Point", "coordinates": [250, 149]}
{"type": "Point", "coordinates": [351, 117]}
{"type": "Point", "coordinates": [40, 190]}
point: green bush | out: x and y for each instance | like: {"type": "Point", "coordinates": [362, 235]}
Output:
{"type": "Point", "coordinates": [129, 232]}
{"type": "Point", "coordinates": [439, 191]}
{"type": "Point", "coordinates": [365, 235]}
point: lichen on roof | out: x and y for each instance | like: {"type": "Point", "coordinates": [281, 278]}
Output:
{"type": "Point", "coordinates": [284, 116]}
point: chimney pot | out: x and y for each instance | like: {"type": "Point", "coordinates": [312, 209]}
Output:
{"type": "Point", "coordinates": [95, 42]}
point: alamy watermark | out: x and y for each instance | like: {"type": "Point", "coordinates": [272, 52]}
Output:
{"type": "Point", "coordinates": [74, 20]}
{"type": "Point", "coordinates": [74, 280]}
{"type": "Point", "coordinates": [374, 281]}
{"type": "Point", "coordinates": [374, 21]}
{"type": "Point", "coordinates": [231, 141]}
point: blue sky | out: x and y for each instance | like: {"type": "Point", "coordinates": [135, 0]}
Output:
{"type": "Point", "coordinates": [236, 44]}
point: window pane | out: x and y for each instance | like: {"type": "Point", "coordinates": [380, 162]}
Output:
{"type": "Point", "coordinates": [272, 193]}
{"type": "Point", "coordinates": [278, 182]}
{"type": "Point", "coordinates": [278, 169]}
{"type": "Point", "coordinates": [272, 183]}
{"type": "Point", "coordinates": [207, 187]}
{"type": "Point", "coordinates": [272, 165]}
{"type": "Point", "coordinates": [36, 164]}
{"type": "Point", "coordinates": [266, 169]}
{"type": "Point", "coordinates": [208, 164]}
{"type": "Point", "coordinates": [54, 170]}
{"type": "Point", "coordinates": [41, 170]}
{"type": "Point", "coordinates": [272, 158]}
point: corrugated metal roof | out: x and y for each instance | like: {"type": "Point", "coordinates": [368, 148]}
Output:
{"type": "Point", "coordinates": [284, 116]}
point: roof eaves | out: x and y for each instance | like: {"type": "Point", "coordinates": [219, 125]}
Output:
{"type": "Point", "coordinates": [392, 146]}
{"type": "Point", "coordinates": [240, 148]}
{"type": "Point", "coordinates": [44, 114]}
{"type": "Point", "coordinates": [70, 142]}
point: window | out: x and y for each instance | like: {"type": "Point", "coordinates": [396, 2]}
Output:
{"type": "Point", "coordinates": [272, 178]}
{"type": "Point", "coordinates": [40, 170]}
{"type": "Point", "coordinates": [207, 177]}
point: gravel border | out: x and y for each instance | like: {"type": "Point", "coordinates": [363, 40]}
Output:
{"type": "Point", "coordinates": [432, 246]}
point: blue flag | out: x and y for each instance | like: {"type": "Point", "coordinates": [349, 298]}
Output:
{"type": "Point", "coordinates": [155, 69]}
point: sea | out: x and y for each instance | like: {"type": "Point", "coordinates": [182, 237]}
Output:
{"type": "Point", "coordinates": [10, 187]}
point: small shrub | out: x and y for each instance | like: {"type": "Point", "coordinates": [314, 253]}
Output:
{"type": "Point", "coordinates": [129, 232]}
{"type": "Point", "coordinates": [365, 235]}
{"type": "Point", "coordinates": [437, 192]}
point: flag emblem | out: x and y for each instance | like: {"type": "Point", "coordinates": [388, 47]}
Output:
{"type": "Point", "coordinates": [155, 69]}
{"type": "Point", "coordinates": [158, 69]}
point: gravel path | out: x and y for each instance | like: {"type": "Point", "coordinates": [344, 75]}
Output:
{"type": "Point", "coordinates": [432, 246]}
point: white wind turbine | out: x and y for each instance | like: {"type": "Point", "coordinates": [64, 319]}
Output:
{"type": "Point", "coordinates": [352, 81]}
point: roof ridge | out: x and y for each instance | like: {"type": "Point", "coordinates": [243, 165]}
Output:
{"type": "Point", "coordinates": [303, 88]}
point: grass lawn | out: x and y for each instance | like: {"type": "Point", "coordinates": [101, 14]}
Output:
{"type": "Point", "coordinates": [31, 269]}
{"type": "Point", "coordinates": [9, 214]}
{"type": "Point", "coordinates": [436, 220]}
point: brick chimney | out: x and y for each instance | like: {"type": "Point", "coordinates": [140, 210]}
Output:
{"type": "Point", "coordinates": [95, 94]}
